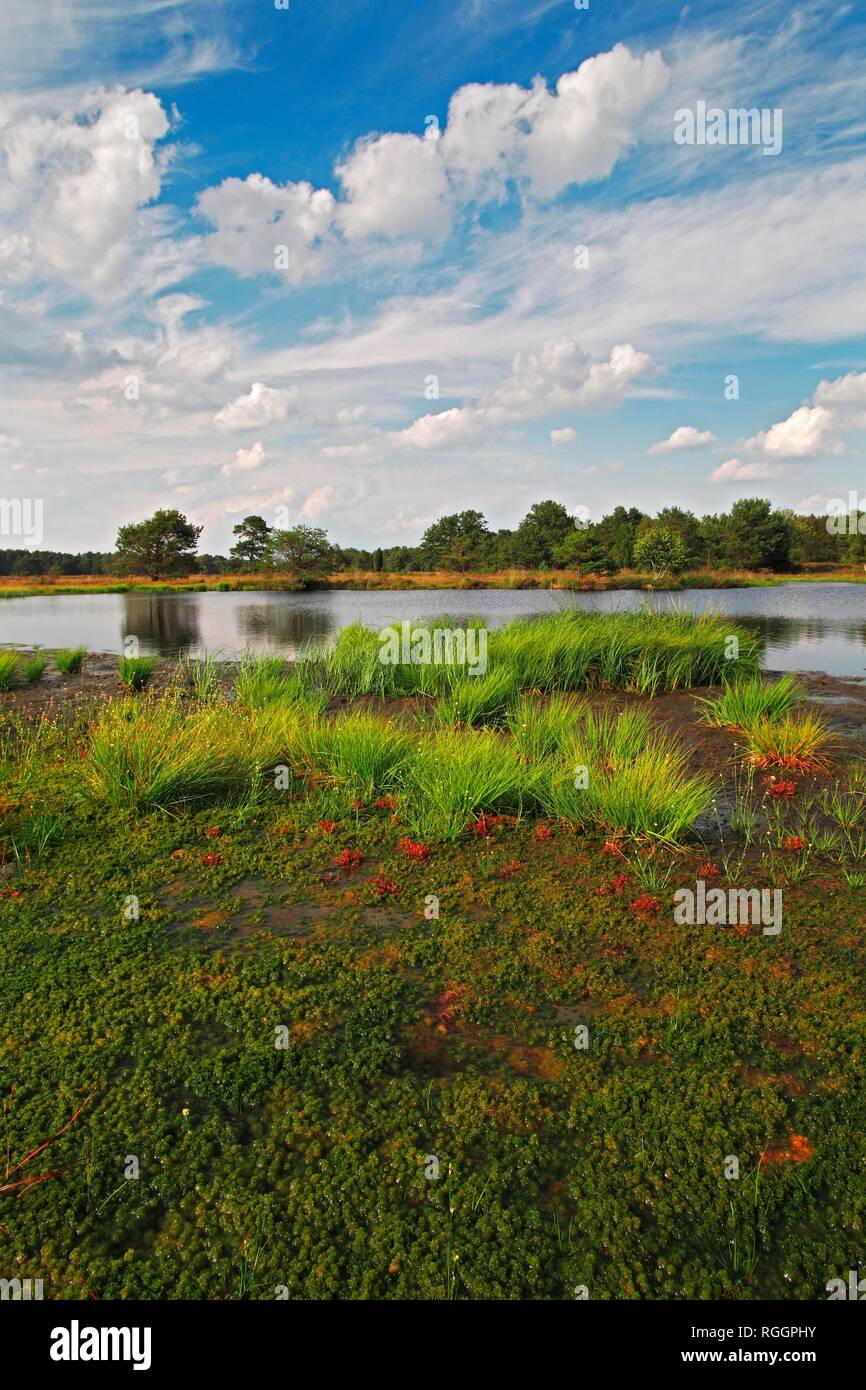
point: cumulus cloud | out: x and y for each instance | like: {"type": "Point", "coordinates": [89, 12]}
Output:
{"type": "Point", "coordinates": [737, 471]}
{"type": "Point", "coordinates": [265, 405]}
{"type": "Point", "coordinates": [805, 433]}
{"type": "Point", "coordinates": [75, 186]}
{"type": "Point", "coordinates": [263, 227]}
{"type": "Point", "coordinates": [684, 437]}
{"type": "Point", "coordinates": [246, 460]}
{"type": "Point", "coordinates": [395, 186]}
{"type": "Point", "coordinates": [848, 390]}
{"type": "Point", "coordinates": [559, 376]}
{"type": "Point", "coordinates": [563, 436]}
{"type": "Point", "coordinates": [401, 186]}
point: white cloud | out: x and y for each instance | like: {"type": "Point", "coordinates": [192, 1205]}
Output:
{"type": "Point", "coordinates": [561, 375]}
{"type": "Point", "coordinates": [265, 405]}
{"type": "Point", "coordinates": [848, 390]}
{"type": "Point", "coordinates": [75, 186]}
{"type": "Point", "coordinates": [684, 437]}
{"type": "Point", "coordinates": [246, 460]}
{"type": "Point", "coordinates": [447, 427]}
{"type": "Point", "coordinates": [805, 433]}
{"type": "Point", "coordinates": [395, 186]}
{"type": "Point", "coordinates": [563, 436]}
{"type": "Point", "coordinates": [579, 133]}
{"type": "Point", "coordinates": [736, 471]}
{"type": "Point", "coordinates": [255, 219]}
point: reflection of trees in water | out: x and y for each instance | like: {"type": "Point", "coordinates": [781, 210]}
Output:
{"type": "Point", "coordinates": [284, 626]}
{"type": "Point", "coordinates": [164, 623]}
{"type": "Point", "coordinates": [787, 632]}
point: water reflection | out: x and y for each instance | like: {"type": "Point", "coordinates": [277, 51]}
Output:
{"type": "Point", "coordinates": [167, 624]}
{"type": "Point", "coordinates": [289, 629]}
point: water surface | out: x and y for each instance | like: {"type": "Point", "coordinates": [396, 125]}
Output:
{"type": "Point", "coordinates": [808, 627]}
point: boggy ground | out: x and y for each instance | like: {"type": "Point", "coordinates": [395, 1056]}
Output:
{"type": "Point", "coordinates": [412, 1045]}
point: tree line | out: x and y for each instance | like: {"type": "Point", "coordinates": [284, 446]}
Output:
{"type": "Point", "coordinates": [753, 535]}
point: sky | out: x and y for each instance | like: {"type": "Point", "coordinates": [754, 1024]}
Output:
{"type": "Point", "coordinates": [360, 264]}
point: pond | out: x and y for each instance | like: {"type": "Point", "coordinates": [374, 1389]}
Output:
{"type": "Point", "coordinates": [808, 627]}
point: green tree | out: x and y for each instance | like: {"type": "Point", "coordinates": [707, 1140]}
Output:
{"type": "Point", "coordinates": [164, 544]}
{"type": "Point", "coordinates": [660, 550]}
{"type": "Point", "coordinates": [758, 537]}
{"type": "Point", "coordinates": [378, 560]}
{"type": "Point", "coordinates": [583, 550]}
{"type": "Point", "coordinates": [544, 527]}
{"type": "Point", "coordinates": [303, 551]}
{"type": "Point", "coordinates": [617, 533]}
{"type": "Point", "coordinates": [251, 547]}
{"type": "Point", "coordinates": [459, 540]}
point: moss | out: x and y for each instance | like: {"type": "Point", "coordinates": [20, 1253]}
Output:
{"type": "Point", "coordinates": [409, 1037]}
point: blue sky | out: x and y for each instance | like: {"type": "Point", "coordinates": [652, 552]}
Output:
{"type": "Point", "coordinates": [239, 273]}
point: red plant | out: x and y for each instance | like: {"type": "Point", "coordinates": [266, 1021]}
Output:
{"type": "Point", "coordinates": [413, 849]}
{"type": "Point", "coordinates": [349, 859]}
{"type": "Point", "coordinates": [358, 804]}
{"type": "Point", "coordinates": [327, 827]}
{"type": "Point", "coordinates": [618, 884]}
{"type": "Point", "coordinates": [798, 1151]}
{"type": "Point", "coordinates": [448, 1009]}
{"type": "Point", "coordinates": [708, 871]}
{"type": "Point", "coordinates": [613, 846]}
{"type": "Point", "coordinates": [211, 859]}
{"type": "Point", "coordinates": [795, 842]}
{"type": "Point", "coordinates": [485, 823]}
{"type": "Point", "coordinates": [510, 869]}
{"type": "Point", "coordinates": [10, 892]}
{"type": "Point", "coordinates": [645, 903]}
{"type": "Point", "coordinates": [780, 788]}
{"type": "Point", "coordinates": [385, 887]}
{"type": "Point", "coordinates": [214, 831]}
{"type": "Point", "coordinates": [543, 832]}
{"type": "Point", "coordinates": [386, 803]}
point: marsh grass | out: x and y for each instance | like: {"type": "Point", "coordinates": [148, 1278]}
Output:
{"type": "Point", "coordinates": [262, 678]}
{"type": "Point", "coordinates": [199, 676]}
{"type": "Point", "coordinates": [153, 757]}
{"type": "Point", "coordinates": [8, 670]}
{"type": "Point", "coordinates": [742, 703]}
{"type": "Point", "coordinates": [454, 776]}
{"type": "Point", "coordinates": [796, 743]}
{"type": "Point", "coordinates": [635, 783]}
{"type": "Point", "coordinates": [34, 667]}
{"type": "Point", "coordinates": [70, 660]}
{"type": "Point", "coordinates": [477, 701]}
{"type": "Point", "coordinates": [135, 671]}
{"type": "Point", "coordinates": [358, 752]}
{"type": "Point", "coordinates": [542, 730]}
{"type": "Point", "coordinates": [645, 652]}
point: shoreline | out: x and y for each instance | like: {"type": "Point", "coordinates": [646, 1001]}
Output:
{"type": "Point", "coordinates": [562, 581]}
